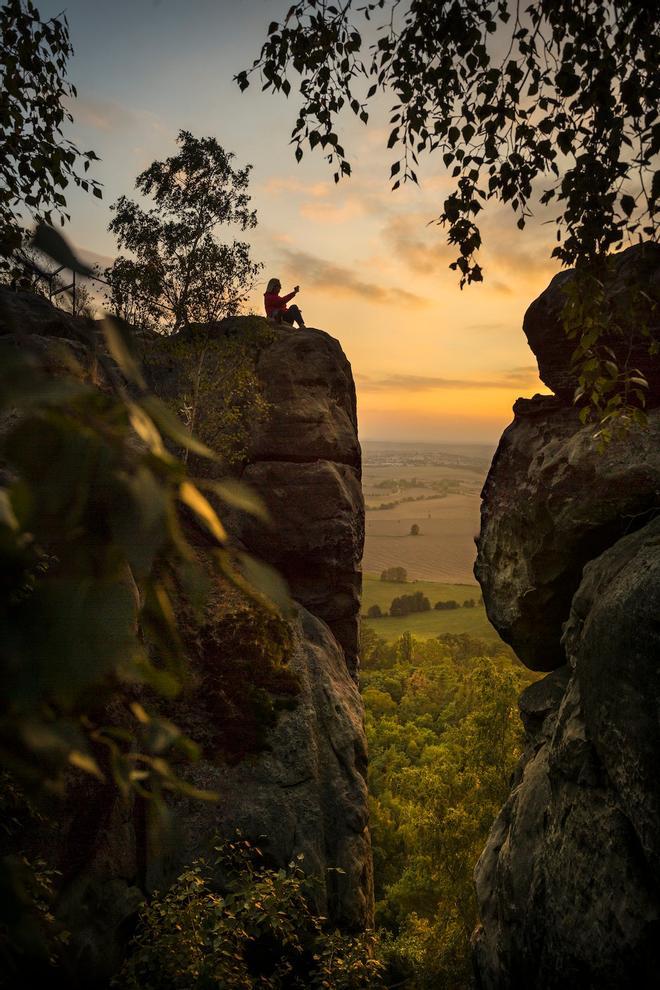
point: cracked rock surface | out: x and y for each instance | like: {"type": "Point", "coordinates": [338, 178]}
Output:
{"type": "Point", "coordinates": [568, 884]}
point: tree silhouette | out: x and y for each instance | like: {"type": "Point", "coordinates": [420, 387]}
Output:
{"type": "Point", "coordinates": [553, 103]}
{"type": "Point", "coordinates": [36, 162]}
{"type": "Point", "coordinates": [179, 259]}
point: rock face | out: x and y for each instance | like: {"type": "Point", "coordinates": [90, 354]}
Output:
{"type": "Point", "coordinates": [307, 794]}
{"type": "Point", "coordinates": [303, 458]}
{"type": "Point", "coordinates": [552, 502]}
{"type": "Point", "coordinates": [638, 267]}
{"type": "Point", "coordinates": [305, 461]}
{"type": "Point", "coordinates": [306, 791]}
{"type": "Point", "coordinates": [25, 313]}
{"type": "Point", "coordinates": [569, 563]}
{"type": "Point", "coordinates": [304, 795]}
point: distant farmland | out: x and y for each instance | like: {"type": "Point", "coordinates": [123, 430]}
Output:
{"type": "Point", "coordinates": [443, 551]}
{"type": "Point", "coordinates": [437, 488]}
{"type": "Point", "coordinates": [425, 625]}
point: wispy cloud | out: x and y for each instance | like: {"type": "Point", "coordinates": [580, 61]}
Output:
{"type": "Point", "coordinates": [102, 115]}
{"type": "Point", "coordinates": [515, 378]}
{"type": "Point", "coordinates": [506, 257]}
{"type": "Point", "coordinates": [276, 186]}
{"type": "Point", "coordinates": [321, 274]}
{"type": "Point", "coordinates": [526, 375]}
{"type": "Point", "coordinates": [420, 246]}
{"type": "Point", "coordinates": [325, 212]}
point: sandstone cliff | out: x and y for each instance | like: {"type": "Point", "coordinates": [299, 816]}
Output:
{"type": "Point", "coordinates": [569, 563]}
{"type": "Point", "coordinates": [305, 791]}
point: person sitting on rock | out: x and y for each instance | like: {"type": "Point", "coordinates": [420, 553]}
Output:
{"type": "Point", "coordinates": [276, 305]}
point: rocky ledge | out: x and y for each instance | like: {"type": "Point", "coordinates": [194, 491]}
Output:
{"type": "Point", "coordinates": [569, 563]}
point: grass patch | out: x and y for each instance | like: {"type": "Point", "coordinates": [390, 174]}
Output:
{"type": "Point", "coordinates": [425, 625]}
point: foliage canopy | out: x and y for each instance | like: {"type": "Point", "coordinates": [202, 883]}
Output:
{"type": "Point", "coordinates": [444, 738]}
{"type": "Point", "coordinates": [178, 264]}
{"type": "Point", "coordinates": [36, 162]}
{"type": "Point", "coordinates": [550, 104]}
{"type": "Point", "coordinates": [394, 574]}
{"type": "Point", "coordinates": [559, 92]}
{"type": "Point", "coordinates": [405, 604]}
{"type": "Point", "coordinates": [237, 924]}
{"type": "Point", "coordinates": [100, 530]}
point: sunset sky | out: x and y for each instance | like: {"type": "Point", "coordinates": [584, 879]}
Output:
{"type": "Point", "coordinates": [431, 362]}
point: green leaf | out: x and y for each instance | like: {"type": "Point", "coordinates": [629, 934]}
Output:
{"type": "Point", "coordinates": [117, 337]}
{"type": "Point", "coordinates": [170, 424]}
{"type": "Point", "coordinates": [188, 790]}
{"type": "Point", "coordinates": [194, 499]}
{"type": "Point", "coordinates": [145, 428]}
{"type": "Point", "coordinates": [239, 496]}
{"type": "Point", "coordinates": [139, 712]}
{"type": "Point", "coordinates": [48, 240]}
{"type": "Point", "coordinates": [260, 580]}
{"type": "Point", "coordinates": [138, 522]}
{"type": "Point", "coordinates": [139, 670]}
{"type": "Point", "coordinates": [76, 632]}
{"type": "Point", "coordinates": [7, 515]}
{"type": "Point", "coordinates": [85, 762]}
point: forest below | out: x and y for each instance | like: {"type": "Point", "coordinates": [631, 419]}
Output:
{"type": "Point", "coordinates": [444, 739]}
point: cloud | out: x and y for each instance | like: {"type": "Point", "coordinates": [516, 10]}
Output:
{"type": "Point", "coordinates": [102, 115]}
{"type": "Point", "coordinates": [411, 240]}
{"type": "Point", "coordinates": [526, 375]}
{"type": "Point", "coordinates": [328, 212]}
{"type": "Point", "coordinates": [516, 377]}
{"type": "Point", "coordinates": [277, 186]}
{"type": "Point", "coordinates": [507, 255]}
{"type": "Point", "coordinates": [321, 274]}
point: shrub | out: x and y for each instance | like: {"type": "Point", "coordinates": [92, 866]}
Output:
{"type": "Point", "coordinates": [375, 612]}
{"type": "Point", "coordinates": [241, 925]}
{"type": "Point", "coordinates": [406, 604]}
{"type": "Point", "coordinates": [451, 604]}
{"type": "Point", "coordinates": [398, 574]}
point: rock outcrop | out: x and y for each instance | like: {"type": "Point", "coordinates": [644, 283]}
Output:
{"type": "Point", "coordinates": [302, 457]}
{"type": "Point", "coordinates": [305, 791]}
{"type": "Point", "coordinates": [569, 563]}
{"type": "Point", "coordinates": [304, 795]}
{"type": "Point", "coordinates": [305, 461]}
{"type": "Point", "coordinates": [552, 502]}
{"type": "Point", "coordinates": [636, 312]}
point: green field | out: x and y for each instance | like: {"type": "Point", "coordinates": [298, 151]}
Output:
{"type": "Point", "coordinates": [424, 625]}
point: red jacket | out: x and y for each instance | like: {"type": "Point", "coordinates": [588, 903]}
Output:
{"type": "Point", "coordinates": [275, 303]}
